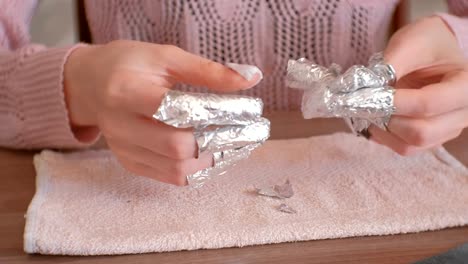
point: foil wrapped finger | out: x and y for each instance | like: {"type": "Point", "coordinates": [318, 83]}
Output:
{"type": "Point", "coordinates": [369, 103]}
{"type": "Point", "coordinates": [221, 138]}
{"type": "Point", "coordinates": [223, 160]}
{"type": "Point", "coordinates": [355, 78]}
{"type": "Point", "coordinates": [304, 74]}
{"type": "Point", "coordinates": [183, 110]}
{"type": "Point", "coordinates": [359, 126]}
{"type": "Point", "coordinates": [229, 157]}
{"type": "Point", "coordinates": [385, 70]}
{"type": "Point", "coordinates": [229, 126]}
{"type": "Point", "coordinates": [363, 95]}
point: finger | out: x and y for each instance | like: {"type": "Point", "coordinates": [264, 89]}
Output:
{"type": "Point", "coordinates": [168, 166]}
{"type": "Point", "coordinates": [391, 141]}
{"type": "Point", "coordinates": [195, 70]}
{"type": "Point", "coordinates": [150, 172]}
{"type": "Point", "coordinates": [428, 131]}
{"type": "Point", "coordinates": [421, 44]}
{"type": "Point", "coordinates": [165, 140]}
{"type": "Point", "coordinates": [401, 147]}
{"type": "Point", "coordinates": [433, 99]}
{"type": "Point", "coordinates": [137, 92]}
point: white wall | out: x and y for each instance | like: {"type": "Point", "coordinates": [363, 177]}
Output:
{"type": "Point", "coordinates": [54, 23]}
{"type": "Point", "coordinates": [420, 8]}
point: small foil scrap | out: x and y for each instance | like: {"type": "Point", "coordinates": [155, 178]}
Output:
{"type": "Point", "coordinates": [286, 209]}
{"type": "Point", "coordinates": [278, 191]}
{"type": "Point", "coordinates": [362, 95]}
{"type": "Point", "coordinates": [282, 191]}
{"type": "Point", "coordinates": [228, 126]}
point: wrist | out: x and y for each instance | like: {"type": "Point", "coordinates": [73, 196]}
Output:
{"type": "Point", "coordinates": [76, 84]}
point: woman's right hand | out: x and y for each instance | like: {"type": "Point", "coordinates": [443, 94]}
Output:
{"type": "Point", "coordinates": [117, 88]}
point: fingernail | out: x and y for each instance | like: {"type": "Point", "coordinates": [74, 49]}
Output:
{"type": "Point", "coordinates": [246, 71]}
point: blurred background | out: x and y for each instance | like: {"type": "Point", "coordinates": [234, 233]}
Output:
{"type": "Point", "coordinates": [55, 21]}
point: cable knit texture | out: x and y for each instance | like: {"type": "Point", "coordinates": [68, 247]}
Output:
{"type": "Point", "coordinates": [261, 32]}
{"type": "Point", "coordinates": [33, 113]}
{"type": "Point", "coordinates": [86, 204]}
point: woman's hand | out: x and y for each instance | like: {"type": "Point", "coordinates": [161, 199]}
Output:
{"type": "Point", "coordinates": [431, 99]}
{"type": "Point", "coordinates": [119, 86]}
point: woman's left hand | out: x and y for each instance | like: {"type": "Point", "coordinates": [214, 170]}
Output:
{"type": "Point", "coordinates": [431, 99]}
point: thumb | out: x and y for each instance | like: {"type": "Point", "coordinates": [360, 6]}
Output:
{"type": "Point", "coordinates": [425, 43]}
{"type": "Point", "coordinates": [191, 69]}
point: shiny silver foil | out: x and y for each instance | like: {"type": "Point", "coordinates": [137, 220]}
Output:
{"type": "Point", "coordinates": [222, 162]}
{"type": "Point", "coordinates": [220, 138]}
{"type": "Point", "coordinates": [228, 126]}
{"type": "Point", "coordinates": [286, 209]}
{"type": "Point", "coordinates": [362, 95]}
{"type": "Point", "coordinates": [278, 191]}
{"type": "Point", "coordinates": [183, 110]}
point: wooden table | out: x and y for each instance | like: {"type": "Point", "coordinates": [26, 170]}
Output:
{"type": "Point", "coordinates": [17, 188]}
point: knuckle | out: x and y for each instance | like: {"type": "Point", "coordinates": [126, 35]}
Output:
{"type": "Point", "coordinates": [405, 150]}
{"type": "Point", "coordinates": [178, 169]}
{"type": "Point", "coordinates": [180, 181]}
{"type": "Point", "coordinates": [177, 147]}
{"type": "Point", "coordinates": [178, 173]}
{"type": "Point", "coordinates": [209, 64]}
{"type": "Point", "coordinates": [115, 90]}
{"type": "Point", "coordinates": [424, 106]}
{"type": "Point", "coordinates": [222, 73]}
{"type": "Point", "coordinates": [119, 43]}
{"type": "Point", "coordinates": [175, 151]}
{"type": "Point", "coordinates": [419, 134]}
{"type": "Point", "coordinates": [107, 128]}
{"type": "Point", "coordinates": [170, 49]}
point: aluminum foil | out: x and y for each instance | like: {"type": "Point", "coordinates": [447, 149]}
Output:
{"type": "Point", "coordinates": [223, 161]}
{"type": "Point", "coordinates": [278, 191]}
{"type": "Point", "coordinates": [362, 95]}
{"type": "Point", "coordinates": [183, 110]}
{"type": "Point", "coordinates": [286, 209]}
{"type": "Point", "coordinates": [215, 139]}
{"type": "Point", "coordinates": [228, 126]}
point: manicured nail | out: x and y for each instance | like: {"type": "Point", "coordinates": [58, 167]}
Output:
{"type": "Point", "coordinates": [246, 71]}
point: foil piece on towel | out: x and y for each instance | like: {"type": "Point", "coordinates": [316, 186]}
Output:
{"type": "Point", "coordinates": [228, 126]}
{"type": "Point", "coordinates": [184, 110]}
{"type": "Point", "coordinates": [286, 209]}
{"type": "Point", "coordinates": [362, 95]}
{"type": "Point", "coordinates": [278, 191]}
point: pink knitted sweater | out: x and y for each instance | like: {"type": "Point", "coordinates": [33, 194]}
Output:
{"type": "Point", "coordinates": [265, 33]}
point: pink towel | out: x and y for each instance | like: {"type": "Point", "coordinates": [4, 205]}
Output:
{"type": "Point", "coordinates": [86, 204]}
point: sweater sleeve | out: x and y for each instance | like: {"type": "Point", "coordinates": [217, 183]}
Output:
{"type": "Point", "coordinates": [33, 112]}
{"type": "Point", "coordinates": [458, 21]}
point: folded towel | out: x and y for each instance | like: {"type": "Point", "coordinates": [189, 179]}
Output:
{"type": "Point", "coordinates": [86, 204]}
